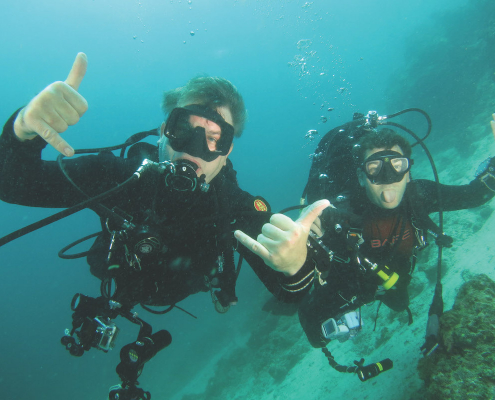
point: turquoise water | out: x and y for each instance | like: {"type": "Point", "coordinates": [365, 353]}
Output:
{"type": "Point", "coordinates": [291, 60]}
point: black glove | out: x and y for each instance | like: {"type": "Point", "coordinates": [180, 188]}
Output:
{"type": "Point", "coordinates": [444, 240]}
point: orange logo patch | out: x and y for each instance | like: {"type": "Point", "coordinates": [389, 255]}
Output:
{"type": "Point", "coordinates": [260, 206]}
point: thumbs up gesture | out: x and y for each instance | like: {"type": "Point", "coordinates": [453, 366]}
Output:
{"type": "Point", "coordinates": [282, 242]}
{"type": "Point", "coordinates": [54, 109]}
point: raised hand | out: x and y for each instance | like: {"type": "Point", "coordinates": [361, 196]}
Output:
{"type": "Point", "coordinates": [54, 109]}
{"type": "Point", "coordinates": [282, 242]}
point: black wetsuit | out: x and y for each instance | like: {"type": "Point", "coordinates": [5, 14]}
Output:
{"type": "Point", "coordinates": [390, 237]}
{"type": "Point", "coordinates": [193, 226]}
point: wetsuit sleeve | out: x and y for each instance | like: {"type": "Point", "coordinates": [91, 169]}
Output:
{"type": "Point", "coordinates": [286, 289]}
{"type": "Point", "coordinates": [454, 197]}
{"type": "Point", "coordinates": [26, 179]}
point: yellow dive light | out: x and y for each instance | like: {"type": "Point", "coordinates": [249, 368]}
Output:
{"type": "Point", "coordinates": [389, 279]}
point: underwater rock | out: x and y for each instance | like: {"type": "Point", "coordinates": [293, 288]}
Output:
{"type": "Point", "coordinates": [464, 368]}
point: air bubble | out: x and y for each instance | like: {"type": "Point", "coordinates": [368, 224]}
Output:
{"type": "Point", "coordinates": [304, 44]}
{"type": "Point", "coordinates": [311, 134]}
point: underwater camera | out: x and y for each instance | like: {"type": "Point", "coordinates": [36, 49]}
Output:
{"type": "Point", "coordinates": [343, 328]}
{"type": "Point", "coordinates": [96, 329]}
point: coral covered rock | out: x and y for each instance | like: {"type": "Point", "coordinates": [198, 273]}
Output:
{"type": "Point", "coordinates": [465, 366]}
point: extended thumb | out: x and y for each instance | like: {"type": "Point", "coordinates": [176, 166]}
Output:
{"type": "Point", "coordinates": [77, 71]}
{"type": "Point", "coordinates": [312, 212]}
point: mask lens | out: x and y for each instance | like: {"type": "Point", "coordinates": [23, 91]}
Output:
{"type": "Point", "coordinates": [373, 167]}
{"type": "Point", "coordinates": [209, 129]}
{"type": "Point", "coordinates": [183, 128]}
{"type": "Point", "coordinates": [400, 164]}
{"type": "Point", "coordinates": [212, 139]}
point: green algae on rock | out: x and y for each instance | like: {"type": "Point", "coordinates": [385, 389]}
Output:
{"type": "Point", "coordinates": [464, 368]}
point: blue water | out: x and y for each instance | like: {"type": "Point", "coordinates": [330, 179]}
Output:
{"type": "Point", "coordinates": [291, 60]}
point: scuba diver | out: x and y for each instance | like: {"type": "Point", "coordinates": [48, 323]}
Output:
{"type": "Point", "coordinates": [376, 219]}
{"type": "Point", "coordinates": [167, 213]}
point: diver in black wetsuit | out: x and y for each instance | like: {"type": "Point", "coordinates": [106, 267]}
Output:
{"type": "Point", "coordinates": [374, 244]}
{"type": "Point", "coordinates": [204, 116]}
{"type": "Point", "coordinates": [372, 234]}
{"type": "Point", "coordinates": [168, 232]}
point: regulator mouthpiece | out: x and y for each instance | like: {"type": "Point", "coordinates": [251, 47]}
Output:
{"type": "Point", "coordinates": [184, 178]}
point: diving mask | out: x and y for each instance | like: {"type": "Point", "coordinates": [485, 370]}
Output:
{"type": "Point", "coordinates": [184, 137]}
{"type": "Point", "coordinates": [385, 167]}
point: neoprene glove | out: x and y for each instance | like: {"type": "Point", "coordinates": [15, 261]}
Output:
{"type": "Point", "coordinates": [444, 240]}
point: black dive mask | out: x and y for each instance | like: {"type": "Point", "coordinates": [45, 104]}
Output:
{"type": "Point", "coordinates": [385, 167]}
{"type": "Point", "coordinates": [196, 141]}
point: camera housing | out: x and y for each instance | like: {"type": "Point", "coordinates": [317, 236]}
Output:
{"type": "Point", "coordinates": [345, 327]}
